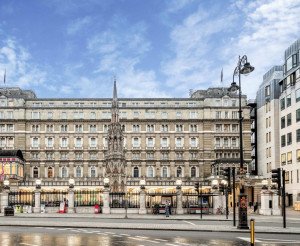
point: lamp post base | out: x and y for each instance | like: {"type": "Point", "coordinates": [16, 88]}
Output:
{"type": "Point", "coordinates": [243, 216]}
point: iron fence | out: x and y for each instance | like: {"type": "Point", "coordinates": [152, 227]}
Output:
{"type": "Point", "coordinates": [120, 199]}
{"type": "Point", "coordinates": [21, 198]}
{"type": "Point", "coordinates": [87, 198]}
{"type": "Point", "coordinates": [53, 198]}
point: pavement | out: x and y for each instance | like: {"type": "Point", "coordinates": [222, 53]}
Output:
{"type": "Point", "coordinates": [139, 222]}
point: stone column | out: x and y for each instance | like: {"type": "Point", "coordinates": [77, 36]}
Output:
{"type": "Point", "coordinates": [71, 199]}
{"type": "Point", "coordinates": [106, 208]}
{"type": "Point", "coordinates": [179, 209]}
{"type": "Point", "coordinates": [275, 198]}
{"type": "Point", "coordinates": [265, 198]}
{"type": "Point", "coordinates": [4, 200]}
{"type": "Point", "coordinates": [37, 201]}
{"type": "Point", "coordinates": [142, 209]}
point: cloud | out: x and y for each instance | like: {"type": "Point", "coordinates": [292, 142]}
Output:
{"type": "Point", "coordinates": [209, 39]}
{"type": "Point", "coordinates": [20, 70]}
{"type": "Point", "coordinates": [78, 25]}
{"type": "Point", "coordinates": [176, 5]}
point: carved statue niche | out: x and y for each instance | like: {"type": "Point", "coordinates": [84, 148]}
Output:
{"type": "Point", "coordinates": [115, 186]}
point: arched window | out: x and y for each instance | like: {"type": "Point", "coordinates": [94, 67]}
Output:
{"type": "Point", "coordinates": [179, 172]}
{"type": "Point", "coordinates": [135, 172]}
{"type": "Point", "coordinates": [150, 172]}
{"type": "Point", "coordinates": [165, 172]}
{"type": "Point", "coordinates": [93, 172]}
{"type": "Point", "coordinates": [193, 172]}
{"type": "Point", "coordinates": [35, 172]}
{"type": "Point", "coordinates": [50, 172]}
{"type": "Point", "coordinates": [78, 172]}
{"type": "Point", "coordinates": [64, 172]}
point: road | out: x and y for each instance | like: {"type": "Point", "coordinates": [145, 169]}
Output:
{"type": "Point", "coordinates": [291, 222]}
{"type": "Point", "coordinates": [51, 236]}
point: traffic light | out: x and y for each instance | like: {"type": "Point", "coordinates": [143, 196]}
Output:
{"type": "Point", "coordinates": [226, 174]}
{"type": "Point", "coordinates": [196, 186]}
{"type": "Point", "coordinates": [276, 178]}
{"type": "Point", "coordinates": [221, 188]}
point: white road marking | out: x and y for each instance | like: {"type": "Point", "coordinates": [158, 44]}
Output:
{"type": "Point", "coordinates": [182, 243]}
{"type": "Point", "coordinates": [247, 239]}
{"type": "Point", "coordinates": [28, 244]}
{"type": "Point", "coordinates": [189, 222]}
{"type": "Point", "coordinates": [170, 244]}
{"type": "Point", "coordinates": [49, 228]}
{"type": "Point", "coordinates": [63, 229]}
{"type": "Point", "coordinates": [110, 233]}
{"type": "Point", "coordinates": [162, 240]}
{"type": "Point", "coordinates": [117, 236]}
{"type": "Point", "coordinates": [101, 233]}
{"type": "Point", "coordinates": [39, 227]}
{"type": "Point", "coordinates": [139, 239]}
{"type": "Point", "coordinates": [142, 237]}
{"type": "Point", "coordinates": [127, 235]}
{"type": "Point", "coordinates": [75, 230]}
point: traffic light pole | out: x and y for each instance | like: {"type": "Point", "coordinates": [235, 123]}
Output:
{"type": "Point", "coordinates": [226, 196]}
{"type": "Point", "coordinates": [283, 199]}
{"type": "Point", "coordinates": [201, 200]}
{"type": "Point", "coordinates": [233, 194]}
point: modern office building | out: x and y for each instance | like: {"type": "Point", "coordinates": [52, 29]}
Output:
{"type": "Point", "coordinates": [289, 121]}
{"type": "Point", "coordinates": [267, 102]}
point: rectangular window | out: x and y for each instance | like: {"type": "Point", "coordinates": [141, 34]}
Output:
{"type": "Point", "coordinates": [235, 115]}
{"type": "Point", "coordinates": [218, 114]}
{"type": "Point", "coordinates": [297, 95]}
{"type": "Point", "coordinates": [282, 124]}
{"type": "Point", "coordinates": [289, 138]}
{"type": "Point", "coordinates": [297, 115]}
{"type": "Point", "coordinates": [289, 157]}
{"type": "Point", "coordinates": [298, 135]}
{"type": "Point", "coordinates": [218, 128]}
{"type": "Point", "coordinates": [282, 103]}
{"type": "Point", "coordinates": [283, 159]}
{"type": "Point", "coordinates": [289, 119]}
{"type": "Point", "coordinates": [267, 91]}
{"type": "Point", "coordinates": [282, 140]}
{"type": "Point", "coordinates": [298, 155]}
{"type": "Point", "coordinates": [288, 100]}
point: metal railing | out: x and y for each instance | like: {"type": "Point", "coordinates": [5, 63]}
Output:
{"type": "Point", "coordinates": [21, 198]}
{"type": "Point", "coordinates": [87, 198]}
{"type": "Point", "coordinates": [53, 198]}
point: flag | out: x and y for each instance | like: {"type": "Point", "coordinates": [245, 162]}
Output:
{"type": "Point", "coordinates": [222, 75]}
{"type": "Point", "coordinates": [4, 77]}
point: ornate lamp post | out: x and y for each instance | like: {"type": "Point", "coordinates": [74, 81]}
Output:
{"type": "Point", "coordinates": [179, 209]}
{"type": "Point", "coordinates": [71, 201]}
{"type": "Point", "coordinates": [38, 184]}
{"type": "Point", "coordinates": [37, 196]}
{"type": "Point", "coordinates": [71, 183]}
{"type": "Point", "coordinates": [142, 209]}
{"type": "Point", "coordinates": [6, 184]}
{"type": "Point", "coordinates": [243, 67]}
{"type": "Point", "coordinates": [106, 208]}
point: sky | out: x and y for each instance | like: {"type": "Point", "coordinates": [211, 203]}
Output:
{"type": "Point", "coordinates": [154, 48]}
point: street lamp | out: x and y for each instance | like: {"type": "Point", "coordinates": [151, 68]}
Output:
{"type": "Point", "coordinates": [243, 67]}
{"type": "Point", "coordinates": [142, 183]}
{"type": "Point", "coordinates": [178, 183]}
{"type": "Point", "coordinates": [6, 184]}
{"type": "Point", "coordinates": [225, 183]}
{"type": "Point", "coordinates": [38, 184]}
{"type": "Point", "coordinates": [71, 183]}
{"type": "Point", "coordinates": [106, 182]}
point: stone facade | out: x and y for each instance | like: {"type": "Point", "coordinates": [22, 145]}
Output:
{"type": "Point", "coordinates": [164, 138]}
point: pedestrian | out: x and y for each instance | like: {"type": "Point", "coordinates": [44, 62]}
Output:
{"type": "Point", "coordinates": [167, 210]}
{"type": "Point", "coordinates": [255, 206]}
